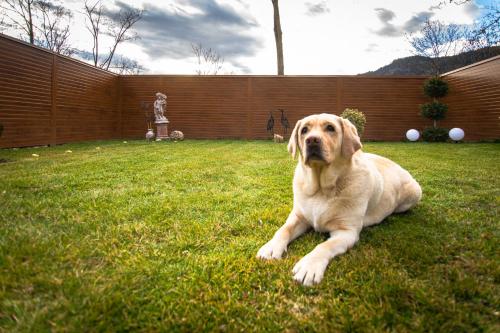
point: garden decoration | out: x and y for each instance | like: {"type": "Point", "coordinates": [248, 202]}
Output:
{"type": "Point", "coordinates": [435, 88]}
{"type": "Point", "coordinates": [278, 138]}
{"type": "Point", "coordinates": [148, 114]}
{"type": "Point", "coordinates": [456, 134]}
{"type": "Point", "coordinates": [412, 135]}
{"type": "Point", "coordinates": [284, 122]}
{"type": "Point", "coordinates": [177, 135]}
{"type": "Point", "coordinates": [270, 123]}
{"type": "Point", "coordinates": [150, 134]}
{"type": "Point", "coordinates": [161, 121]}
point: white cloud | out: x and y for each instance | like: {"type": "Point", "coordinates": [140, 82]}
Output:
{"type": "Point", "coordinates": [341, 39]}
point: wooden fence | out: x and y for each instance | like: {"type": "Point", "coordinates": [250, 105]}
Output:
{"type": "Point", "coordinates": [51, 99]}
{"type": "Point", "coordinates": [474, 100]}
{"type": "Point", "coordinates": [239, 106]}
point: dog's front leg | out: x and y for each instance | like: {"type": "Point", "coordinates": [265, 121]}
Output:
{"type": "Point", "coordinates": [311, 268]}
{"type": "Point", "coordinates": [293, 228]}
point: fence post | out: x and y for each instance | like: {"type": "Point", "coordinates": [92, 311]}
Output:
{"type": "Point", "coordinates": [340, 88]}
{"type": "Point", "coordinates": [249, 110]}
{"type": "Point", "coordinates": [53, 107]}
{"type": "Point", "coordinates": [120, 106]}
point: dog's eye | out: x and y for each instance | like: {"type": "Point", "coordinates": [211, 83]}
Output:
{"type": "Point", "coordinates": [330, 128]}
{"type": "Point", "coordinates": [304, 130]}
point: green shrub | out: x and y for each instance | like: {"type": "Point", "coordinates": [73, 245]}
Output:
{"type": "Point", "coordinates": [432, 134]}
{"type": "Point", "coordinates": [357, 118]}
{"type": "Point", "coordinates": [434, 110]}
{"type": "Point", "coordinates": [435, 87]}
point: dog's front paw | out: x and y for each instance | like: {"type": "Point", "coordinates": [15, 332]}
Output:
{"type": "Point", "coordinates": [271, 250]}
{"type": "Point", "coordinates": [309, 270]}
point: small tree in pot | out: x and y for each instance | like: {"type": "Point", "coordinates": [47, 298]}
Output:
{"type": "Point", "coordinates": [435, 88]}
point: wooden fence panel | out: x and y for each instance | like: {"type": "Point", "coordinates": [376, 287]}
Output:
{"type": "Point", "coordinates": [474, 100]}
{"type": "Point", "coordinates": [86, 103]}
{"type": "Point", "coordinates": [50, 99]}
{"type": "Point", "coordinates": [240, 106]}
{"type": "Point", "coordinates": [200, 107]}
{"type": "Point", "coordinates": [25, 95]}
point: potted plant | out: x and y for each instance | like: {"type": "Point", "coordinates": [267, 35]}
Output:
{"type": "Point", "coordinates": [435, 88]}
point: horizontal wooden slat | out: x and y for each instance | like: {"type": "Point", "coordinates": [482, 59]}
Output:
{"type": "Point", "coordinates": [85, 98]}
{"type": "Point", "coordinates": [88, 103]}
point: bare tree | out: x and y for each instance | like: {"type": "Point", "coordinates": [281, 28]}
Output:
{"type": "Point", "coordinates": [124, 65]}
{"type": "Point", "coordinates": [20, 15]}
{"type": "Point", "coordinates": [94, 17]}
{"type": "Point", "coordinates": [118, 30]}
{"type": "Point", "coordinates": [100, 22]}
{"type": "Point", "coordinates": [486, 32]}
{"type": "Point", "coordinates": [209, 61]}
{"type": "Point", "coordinates": [278, 38]}
{"type": "Point", "coordinates": [437, 40]}
{"type": "Point", "coordinates": [3, 23]}
{"type": "Point", "coordinates": [54, 27]}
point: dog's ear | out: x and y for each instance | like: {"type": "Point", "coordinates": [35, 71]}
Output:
{"type": "Point", "coordinates": [293, 144]}
{"type": "Point", "coordinates": [350, 141]}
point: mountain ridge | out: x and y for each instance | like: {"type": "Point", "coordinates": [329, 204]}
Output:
{"type": "Point", "coordinates": [420, 65]}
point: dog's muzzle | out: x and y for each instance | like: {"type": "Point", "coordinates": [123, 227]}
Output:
{"type": "Point", "coordinates": [313, 149]}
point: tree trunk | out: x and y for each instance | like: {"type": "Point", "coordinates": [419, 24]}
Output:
{"type": "Point", "coordinates": [30, 24]}
{"type": "Point", "coordinates": [277, 35]}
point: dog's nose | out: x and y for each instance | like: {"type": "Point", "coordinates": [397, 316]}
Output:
{"type": "Point", "coordinates": [313, 140]}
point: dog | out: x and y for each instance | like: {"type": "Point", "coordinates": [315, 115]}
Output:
{"type": "Point", "coordinates": [337, 189]}
{"type": "Point", "coordinates": [278, 138]}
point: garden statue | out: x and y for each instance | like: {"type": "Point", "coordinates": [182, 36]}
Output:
{"type": "Point", "coordinates": [159, 106]}
{"type": "Point", "coordinates": [160, 120]}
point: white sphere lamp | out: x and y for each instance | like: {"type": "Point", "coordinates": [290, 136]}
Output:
{"type": "Point", "coordinates": [456, 134]}
{"type": "Point", "coordinates": [412, 135]}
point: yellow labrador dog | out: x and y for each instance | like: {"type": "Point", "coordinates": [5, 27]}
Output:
{"type": "Point", "coordinates": [337, 189]}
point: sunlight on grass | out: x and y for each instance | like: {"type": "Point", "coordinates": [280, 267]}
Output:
{"type": "Point", "coordinates": [162, 236]}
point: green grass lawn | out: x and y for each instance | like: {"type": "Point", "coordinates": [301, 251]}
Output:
{"type": "Point", "coordinates": [163, 236]}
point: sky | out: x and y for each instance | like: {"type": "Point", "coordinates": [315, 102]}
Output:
{"type": "Point", "coordinates": [320, 37]}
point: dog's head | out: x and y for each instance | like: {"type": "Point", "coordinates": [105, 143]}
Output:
{"type": "Point", "coordinates": [324, 138]}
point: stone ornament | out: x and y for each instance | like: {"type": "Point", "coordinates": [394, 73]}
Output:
{"type": "Point", "coordinates": [177, 135]}
{"type": "Point", "coordinates": [150, 134]}
{"type": "Point", "coordinates": [160, 105]}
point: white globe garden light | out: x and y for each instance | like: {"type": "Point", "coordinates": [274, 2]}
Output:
{"type": "Point", "coordinates": [412, 135]}
{"type": "Point", "coordinates": [456, 134]}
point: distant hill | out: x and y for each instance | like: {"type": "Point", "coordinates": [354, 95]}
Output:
{"type": "Point", "coordinates": [418, 65]}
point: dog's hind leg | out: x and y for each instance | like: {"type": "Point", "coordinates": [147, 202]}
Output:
{"type": "Point", "coordinates": [411, 193]}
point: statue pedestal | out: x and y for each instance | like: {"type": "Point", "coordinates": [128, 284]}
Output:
{"type": "Point", "coordinates": [162, 130]}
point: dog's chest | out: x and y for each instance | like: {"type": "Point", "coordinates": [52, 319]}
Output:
{"type": "Point", "coordinates": [314, 210]}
